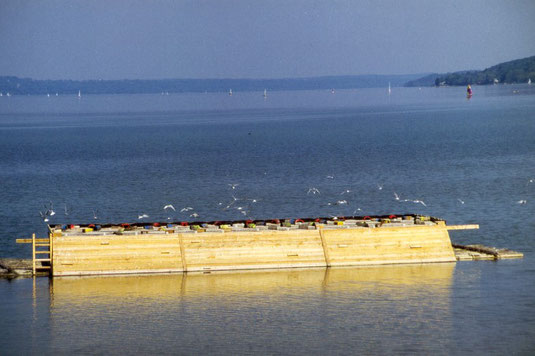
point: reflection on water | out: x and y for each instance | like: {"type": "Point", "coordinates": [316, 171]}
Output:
{"type": "Point", "coordinates": [168, 287]}
{"type": "Point", "coordinates": [379, 309]}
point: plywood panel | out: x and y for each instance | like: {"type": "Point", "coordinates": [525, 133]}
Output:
{"type": "Point", "coordinates": [116, 254]}
{"type": "Point", "coordinates": [250, 250]}
{"type": "Point", "coordinates": [389, 245]}
{"type": "Point", "coordinates": [261, 249]}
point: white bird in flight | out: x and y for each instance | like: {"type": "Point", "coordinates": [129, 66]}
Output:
{"type": "Point", "coordinates": [339, 202]}
{"type": "Point", "coordinates": [169, 206]}
{"type": "Point", "coordinates": [418, 202]}
{"type": "Point", "coordinates": [313, 191]}
{"type": "Point", "coordinates": [234, 200]}
{"type": "Point", "coordinates": [51, 210]}
{"type": "Point", "coordinates": [461, 201]}
{"type": "Point", "coordinates": [44, 216]}
{"type": "Point", "coordinates": [142, 216]}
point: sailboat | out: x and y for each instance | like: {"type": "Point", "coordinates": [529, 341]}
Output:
{"type": "Point", "coordinates": [389, 89]}
{"type": "Point", "coordinates": [230, 92]}
{"type": "Point", "coordinates": [529, 81]}
{"type": "Point", "coordinates": [265, 93]}
{"type": "Point", "coordinates": [79, 94]}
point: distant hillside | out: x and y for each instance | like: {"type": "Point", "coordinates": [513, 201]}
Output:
{"type": "Point", "coordinates": [517, 71]}
{"type": "Point", "coordinates": [24, 86]}
{"type": "Point", "coordinates": [427, 81]}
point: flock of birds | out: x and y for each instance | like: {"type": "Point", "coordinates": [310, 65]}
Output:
{"type": "Point", "coordinates": [244, 206]}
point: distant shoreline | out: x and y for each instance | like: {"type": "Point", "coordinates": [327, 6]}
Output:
{"type": "Point", "coordinates": [513, 72]}
{"type": "Point", "coordinates": [24, 86]}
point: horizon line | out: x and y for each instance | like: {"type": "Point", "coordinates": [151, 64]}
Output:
{"type": "Point", "coordinates": [226, 78]}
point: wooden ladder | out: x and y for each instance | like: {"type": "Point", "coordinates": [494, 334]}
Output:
{"type": "Point", "coordinates": [41, 247]}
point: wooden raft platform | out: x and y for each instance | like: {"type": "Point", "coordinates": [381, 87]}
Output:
{"type": "Point", "coordinates": [480, 252]}
{"type": "Point", "coordinates": [16, 267]}
{"type": "Point", "coordinates": [246, 245]}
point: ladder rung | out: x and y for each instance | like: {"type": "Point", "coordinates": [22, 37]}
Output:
{"type": "Point", "coordinates": [42, 260]}
{"type": "Point", "coordinates": [36, 252]}
{"type": "Point", "coordinates": [42, 267]}
{"type": "Point", "coordinates": [42, 245]}
{"type": "Point", "coordinates": [29, 241]}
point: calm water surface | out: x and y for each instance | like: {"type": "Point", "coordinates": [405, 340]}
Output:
{"type": "Point", "coordinates": [120, 156]}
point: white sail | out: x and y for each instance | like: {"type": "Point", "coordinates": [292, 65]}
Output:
{"type": "Point", "coordinates": [389, 89]}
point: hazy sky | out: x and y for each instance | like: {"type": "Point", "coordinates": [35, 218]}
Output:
{"type": "Point", "coordinates": [117, 39]}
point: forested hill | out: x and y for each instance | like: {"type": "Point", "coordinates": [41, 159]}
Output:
{"type": "Point", "coordinates": [26, 86]}
{"type": "Point", "coordinates": [517, 71]}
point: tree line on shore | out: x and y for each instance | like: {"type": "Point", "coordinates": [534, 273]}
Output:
{"type": "Point", "coordinates": [517, 71]}
{"type": "Point", "coordinates": [28, 86]}
{"type": "Point", "coordinates": [512, 72]}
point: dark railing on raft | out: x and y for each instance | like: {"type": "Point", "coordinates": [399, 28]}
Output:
{"type": "Point", "coordinates": [246, 222]}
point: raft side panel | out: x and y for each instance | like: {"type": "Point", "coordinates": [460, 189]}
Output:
{"type": "Point", "coordinates": [253, 250]}
{"type": "Point", "coordinates": [77, 255]}
{"type": "Point", "coordinates": [386, 245]}
{"type": "Point", "coordinates": [205, 251]}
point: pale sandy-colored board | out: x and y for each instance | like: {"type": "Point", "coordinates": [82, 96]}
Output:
{"type": "Point", "coordinates": [106, 291]}
{"type": "Point", "coordinates": [85, 254]}
{"type": "Point", "coordinates": [110, 254]}
{"type": "Point", "coordinates": [463, 227]}
{"type": "Point", "coordinates": [389, 245]}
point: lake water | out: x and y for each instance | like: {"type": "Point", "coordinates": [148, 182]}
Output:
{"type": "Point", "coordinates": [119, 156]}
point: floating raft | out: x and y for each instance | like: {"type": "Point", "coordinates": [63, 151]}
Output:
{"type": "Point", "coordinates": [480, 252]}
{"type": "Point", "coordinates": [241, 245]}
